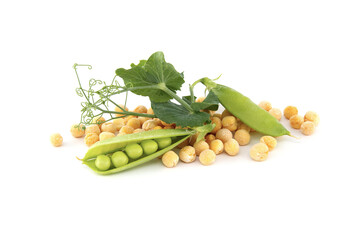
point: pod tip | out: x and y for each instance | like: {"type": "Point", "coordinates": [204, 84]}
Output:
{"type": "Point", "coordinates": [290, 135]}
{"type": "Point", "coordinates": [78, 158]}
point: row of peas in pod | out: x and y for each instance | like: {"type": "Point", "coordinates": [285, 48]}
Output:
{"type": "Point", "coordinates": [131, 152]}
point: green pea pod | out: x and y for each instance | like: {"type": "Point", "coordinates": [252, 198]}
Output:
{"type": "Point", "coordinates": [246, 110]}
{"type": "Point", "coordinates": [120, 142]}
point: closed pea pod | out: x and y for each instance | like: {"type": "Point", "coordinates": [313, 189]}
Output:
{"type": "Point", "coordinates": [247, 111]}
{"type": "Point", "coordinates": [120, 143]}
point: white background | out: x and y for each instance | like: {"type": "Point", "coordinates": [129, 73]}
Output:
{"type": "Point", "coordinates": [302, 53]}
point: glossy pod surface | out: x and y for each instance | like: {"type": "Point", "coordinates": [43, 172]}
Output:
{"type": "Point", "coordinates": [246, 110]}
{"type": "Point", "coordinates": [119, 143]}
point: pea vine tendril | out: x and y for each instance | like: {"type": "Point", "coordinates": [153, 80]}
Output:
{"type": "Point", "coordinates": [98, 99]}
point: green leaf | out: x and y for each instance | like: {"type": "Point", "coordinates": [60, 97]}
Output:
{"type": "Point", "coordinates": [211, 102]}
{"type": "Point", "coordinates": [187, 99]}
{"type": "Point", "coordinates": [152, 75]}
{"type": "Point", "coordinates": [173, 113]}
{"type": "Point", "coordinates": [203, 130]}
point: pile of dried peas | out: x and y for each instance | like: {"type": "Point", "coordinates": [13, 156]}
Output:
{"type": "Point", "coordinates": [227, 136]}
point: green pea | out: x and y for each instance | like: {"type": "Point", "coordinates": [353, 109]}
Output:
{"type": "Point", "coordinates": [119, 159]}
{"type": "Point", "coordinates": [134, 150]}
{"type": "Point", "coordinates": [163, 142]}
{"type": "Point", "coordinates": [103, 162]}
{"type": "Point", "coordinates": [149, 146]}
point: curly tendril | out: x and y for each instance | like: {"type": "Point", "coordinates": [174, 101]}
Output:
{"type": "Point", "coordinates": [99, 96]}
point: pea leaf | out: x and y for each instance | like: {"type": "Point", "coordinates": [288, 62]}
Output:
{"type": "Point", "coordinates": [211, 102]}
{"type": "Point", "coordinates": [173, 113]}
{"type": "Point", "coordinates": [203, 130]}
{"type": "Point", "coordinates": [149, 77]}
{"type": "Point", "coordinates": [187, 99]}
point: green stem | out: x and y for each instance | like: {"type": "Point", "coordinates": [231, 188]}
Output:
{"type": "Point", "coordinates": [176, 97]}
{"type": "Point", "coordinates": [127, 113]}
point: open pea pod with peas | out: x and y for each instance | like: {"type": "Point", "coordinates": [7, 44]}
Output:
{"type": "Point", "coordinates": [127, 151]}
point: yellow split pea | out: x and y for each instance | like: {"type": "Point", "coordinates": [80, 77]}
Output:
{"type": "Point", "coordinates": [307, 128]}
{"type": "Point", "coordinates": [108, 127]}
{"type": "Point", "coordinates": [224, 135]}
{"type": "Point", "coordinates": [296, 121]}
{"type": "Point", "coordinates": [266, 105]}
{"type": "Point", "coordinates": [92, 129]}
{"type": "Point", "coordinates": [217, 146]}
{"type": "Point", "coordinates": [232, 147]}
{"type": "Point", "coordinates": [290, 111]}
{"type": "Point", "coordinates": [170, 159]}
{"type": "Point", "coordinates": [106, 135]}
{"type": "Point", "coordinates": [91, 138]}
{"type": "Point", "coordinates": [118, 109]}
{"type": "Point", "coordinates": [207, 157]}
{"type": "Point", "coordinates": [242, 136]}
{"type": "Point", "coordinates": [229, 122]}
{"type": "Point", "coordinates": [77, 131]}
{"type": "Point", "coordinates": [276, 113]}
{"type": "Point", "coordinates": [259, 152]}
{"type": "Point", "coordinates": [187, 154]}
{"type": "Point", "coordinates": [56, 139]}
{"type": "Point", "coordinates": [269, 141]}
{"type": "Point", "coordinates": [200, 146]}
{"type": "Point", "coordinates": [312, 117]}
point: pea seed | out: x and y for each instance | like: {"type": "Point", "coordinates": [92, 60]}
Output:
{"type": "Point", "coordinates": [117, 109]}
{"type": "Point", "coordinates": [242, 136]}
{"type": "Point", "coordinates": [224, 135]}
{"type": "Point", "coordinates": [217, 146]}
{"type": "Point", "coordinates": [134, 150]}
{"type": "Point", "coordinates": [134, 123]}
{"type": "Point", "coordinates": [150, 111]}
{"type": "Point", "coordinates": [232, 147]}
{"type": "Point", "coordinates": [276, 113]}
{"type": "Point", "coordinates": [187, 154]}
{"type": "Point", "coordinates": [56, 139]}
{"type": "Point", "coordinates": [91, 138]}
{"type": "Point", "coordinates": [229, 122]}
{"type": "Point", "coordinates": [119, 159]}
{"type": "Point", "coordinates": [312, 116]}
{"type": "Point", "coordinates": [307, 128]}
{"type": "Point", "coordinates": [269, 141]}
{"type": "Point", "coordinates": [266, 105]}
{"type": "Point", "coordinates": [77, 131]}
{"type": "Point", "coordinates": [209, 138]}
{"type": "Point", "coordinates": [108, 127]}
{"type": "Point", "coordinates": [170, 159]}
{"type": "Point", "coordinates": [118, 123]}
{"type": "Point", "coordinates": [98, 121]}
{"type": "Point", "coordinates": [207, 157]}
{"type": "Point", "coordinates": [296, 121]}
{"type": "Point", "coordinates": [140, 109]}
{"type": "Point", "coordinates": [103, 162]}
{"type": "Point", "coordinates": [225, 113]}
{"type": "Point", "coordinates": [92, 129]}
{"type": "Point", "coordinates": [106, 135]}
{"type": "Point", "coordinates": [200, 146]}
{"type": "Point", "coordinates": [163, 142]}
{"type": "Point", "coordinates": [149, 146]}
{"type": "Point", "coordinates": [259, 152]}
{"type": "Point", "coordinates": [290, 111]}
{"type": "Point", "coordinates": [218, 124]}
{"type": "Point", "coordinates": [126, 130]}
